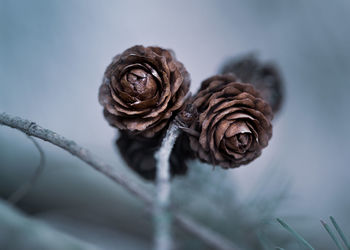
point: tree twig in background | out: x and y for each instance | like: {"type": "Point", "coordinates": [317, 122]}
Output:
{"type": "Point", "coordinates": [23, 190]}
{"type": "Point", "coordinates": [32, 129]}
{"type": "Point", "coordinates": [204, 233]}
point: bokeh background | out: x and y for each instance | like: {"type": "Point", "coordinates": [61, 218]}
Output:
{"type": "Point", "coordinates": [52, 58]}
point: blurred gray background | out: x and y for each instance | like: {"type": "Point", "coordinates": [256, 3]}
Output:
{"type": "Point", "coordinates": [52, 58]}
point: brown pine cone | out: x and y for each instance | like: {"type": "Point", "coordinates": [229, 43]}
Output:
{"type": "Point", "coordinates": [142, 88]}
{"type": "Point", "coordinates": [138, 152]}
{"type": "Point", "coordinates": [234, 122]}
{"type": "Point", "coordinates": [264, 76]}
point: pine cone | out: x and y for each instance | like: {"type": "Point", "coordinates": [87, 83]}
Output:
{"type": "Point", "coordinates": [142, 88]}
{"type": "Point", "coordinates": [264, 76]}
{"type": "Point", "coordinates": [234, 122]}
{"type": "Point", "coordinates": [139, 152]}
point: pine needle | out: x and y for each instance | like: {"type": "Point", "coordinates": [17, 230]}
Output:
{"type": "Point", "coordinates": [330, 232]}
{"type": "Point", "coordinates": [340, 232]}
{"type": "Point", "coordinates": [295, 234]}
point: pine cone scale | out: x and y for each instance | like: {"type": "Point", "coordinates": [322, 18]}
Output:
{"type": "Point", "coordinates": [234, 122]}
{"type": "Point", "coordinates": [142, 88]}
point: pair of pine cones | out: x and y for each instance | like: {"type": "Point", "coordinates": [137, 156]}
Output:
{"type": "Point", "coordinates": [226, 123]}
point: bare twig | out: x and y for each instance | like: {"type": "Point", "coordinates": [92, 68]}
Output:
{"type": "Point", "coordinates": [32, 129]}
{"type": "Point", "coordinates": [162, 215]}
{"type": "Point", "coordinates": [23, 190]}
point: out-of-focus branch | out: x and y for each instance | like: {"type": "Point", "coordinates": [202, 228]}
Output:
{"type": "Point", "coordinates": [23, 190]}
{"type": "Point", "coordinates": [32, 129]}
{"type": "Point", "coordinates": [207, 235]}
{"type": "Point", "coordinates": [19, 231]}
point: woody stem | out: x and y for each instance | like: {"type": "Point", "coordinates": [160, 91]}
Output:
{"type": "Point", "coordinates": [161, 214]}
{"type": "Point", "coordinates": [207, 235]}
